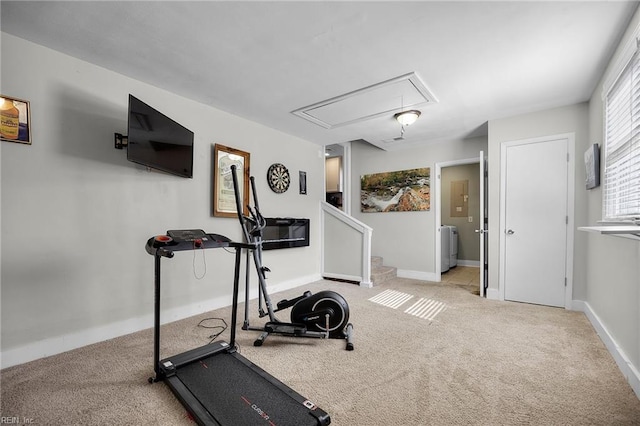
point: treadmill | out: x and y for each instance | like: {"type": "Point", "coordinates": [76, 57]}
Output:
{"type": "Point", "coordinates": [216, 384]}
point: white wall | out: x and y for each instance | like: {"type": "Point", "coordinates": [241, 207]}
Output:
{"type": "Point", "coordinates": [612, 266]}
{"type": "Point", "coordinates": [76, 214]}
{"type": "Point", "coordinates": [406, 240]}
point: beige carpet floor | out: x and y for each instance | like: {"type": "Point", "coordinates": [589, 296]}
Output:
{"type": "Point", "coordinates": [453, 359]}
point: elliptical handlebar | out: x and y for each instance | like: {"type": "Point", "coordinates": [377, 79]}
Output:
{"type": "Point", "coordinates": [255, 194]}
{"type": "Point", "coordinates": [241, 217]}
{"type": "Point", "coordinates": [256, 220]}
{"type": "Point", "coordinates": [260, 221]}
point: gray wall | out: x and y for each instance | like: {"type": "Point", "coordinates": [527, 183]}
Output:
{"type": "Point", "coordinates": [76, 214]}
{"type": "Point", "coordinates": [406, 240]}
{"type": "Point", "coordinates": [570, 119]}
{"type": "Point", "coordinates": [342, 249]}
{"type": "Point", "coordinates": [606, 273]}
{"type": "Point", "coordinates": [612, 264]}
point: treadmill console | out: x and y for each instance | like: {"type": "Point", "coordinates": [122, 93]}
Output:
{"type": "Point", "coordinates": [187, 234]}
{"type": "Point", "coordinates": [184, 239]}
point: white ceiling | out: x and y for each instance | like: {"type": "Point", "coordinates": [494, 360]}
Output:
{"type": "Point", "coordinates": [481, 60]}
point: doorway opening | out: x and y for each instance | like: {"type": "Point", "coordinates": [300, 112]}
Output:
{"type": "Point", "coordinates": [460, 223]}
{"type": "Point", "coordinates": [337, 172]}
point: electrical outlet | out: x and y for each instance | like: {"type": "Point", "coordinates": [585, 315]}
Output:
{"type": "Point", "coordinates": [470, 218]}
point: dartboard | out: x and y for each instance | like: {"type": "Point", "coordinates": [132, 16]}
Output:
{"type": "Point", "coordinates": [278, 178]}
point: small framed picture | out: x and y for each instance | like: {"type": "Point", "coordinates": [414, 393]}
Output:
{"type": "Point", "coordinates": [15, 120]}
{"type": "Point", "coordinates": [303, 182]}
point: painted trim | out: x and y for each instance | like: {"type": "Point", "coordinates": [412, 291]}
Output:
{"type": "Point", "coordinates": [341, 276]}
{"type": "Point", "coordinates": [418, 275]}
{"type": "Point", "coordinates": [624, 56]}
{"type": "Point", "coordinates": [346, 170]}
{"type": "Point", "coordinates": [67, 342]}
{"type": "Point", "coordinates": [470, 263]}
{"type": "Point", "coordinates": [628, 370]}
{"type": "Point", "coordinates": [366, 284]}
{"type": "Point", "coordinates": [354, 278]}
{"type": "Point", "coordinates": [493, 294]}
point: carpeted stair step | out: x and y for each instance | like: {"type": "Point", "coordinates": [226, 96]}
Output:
{"type": "Point", "coordinates": [380, 273]}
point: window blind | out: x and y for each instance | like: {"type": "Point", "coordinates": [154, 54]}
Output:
{"type": "Point", "coordinates": [621, 193]}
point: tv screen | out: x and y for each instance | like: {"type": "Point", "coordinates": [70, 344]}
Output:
{"type": "Point", "coordinates": [158, 142]}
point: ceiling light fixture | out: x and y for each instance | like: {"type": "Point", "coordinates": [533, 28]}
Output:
{"type": "Point", "coordinates": [407, 118]}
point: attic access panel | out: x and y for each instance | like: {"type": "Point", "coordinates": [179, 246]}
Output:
{"type": "Point", "coordinates": [386, 98]}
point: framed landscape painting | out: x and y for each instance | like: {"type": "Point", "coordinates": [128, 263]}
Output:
{"type": "Point", "coordinates": [401, 191]}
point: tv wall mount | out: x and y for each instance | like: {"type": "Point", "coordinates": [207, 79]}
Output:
{"type": "Point", "coordinates": [120, 140]}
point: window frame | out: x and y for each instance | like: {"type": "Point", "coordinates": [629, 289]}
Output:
{"type": "Point", "coordinates": [628, 63]}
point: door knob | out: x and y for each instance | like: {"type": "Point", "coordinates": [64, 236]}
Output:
{"type": "Point", "coordinates": [510, 232]}
{"type": "Point", "coordinates": [481, 231]}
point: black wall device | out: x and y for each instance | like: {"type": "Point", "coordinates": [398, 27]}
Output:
{"type": "Point", "coordinates": [285, 233]}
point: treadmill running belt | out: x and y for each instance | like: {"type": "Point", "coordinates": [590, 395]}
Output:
{"type": "Point", "coordinates": [235, 394]}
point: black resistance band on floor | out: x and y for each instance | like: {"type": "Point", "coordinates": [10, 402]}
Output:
{"type": "Point", "coordinates": [237, 395]}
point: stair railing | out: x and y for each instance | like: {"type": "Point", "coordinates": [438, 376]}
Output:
{"type": "Point", "coordinates": [346, 246]}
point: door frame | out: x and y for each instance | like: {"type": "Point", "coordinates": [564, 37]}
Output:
{"type": "Point", "coordinates": [484, 224]}
{"type": "Point", "coordinates": [570, 137]}
{"type": "Point", "coordinates": [345, 172]}
{"type": "Point", "coordinates": [438, 221]}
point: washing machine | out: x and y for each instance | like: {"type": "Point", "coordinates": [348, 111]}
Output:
{"type": "Point", "coordinates": [453, 247]}
{"type": "Point", "coordinates": [445, 250]}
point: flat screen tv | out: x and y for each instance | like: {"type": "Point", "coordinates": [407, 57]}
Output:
{"type": "Point", "coordinates": [158, 142]}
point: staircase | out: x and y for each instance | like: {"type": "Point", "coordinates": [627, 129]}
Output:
{"type": "Point", "coordinates": [380, 273]}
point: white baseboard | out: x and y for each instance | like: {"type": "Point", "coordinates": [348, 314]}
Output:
{"type": "Point", "coordinates": [366, 284]}
{"type": "Point", "coordinates": [472, 263]}
{"type": "Point", "coordinates": [59, 344]}
{"type": "Point", "coordinates": [287, 285]}
{"type": "Point", "coordinates": [493, 294]}
{"type": "Point", "coordinates": [353, 278]}
{"type": "Point", "coordinates": [56, 345]}
{"type": "Point", "coordinates": [629, 371]}
{"type": "Point", "coordinates": [344, 277]}
{"type": "Point", "coordinates": [417, 275]}
{"type": "Point", "coordinates": [431, 276]}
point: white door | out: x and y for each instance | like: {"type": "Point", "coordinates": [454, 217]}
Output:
{"type": "Point", "coordinates": [534, 221]}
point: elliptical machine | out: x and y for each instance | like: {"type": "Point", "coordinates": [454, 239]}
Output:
{"type": "Point", "coordinates": [321, 315]}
